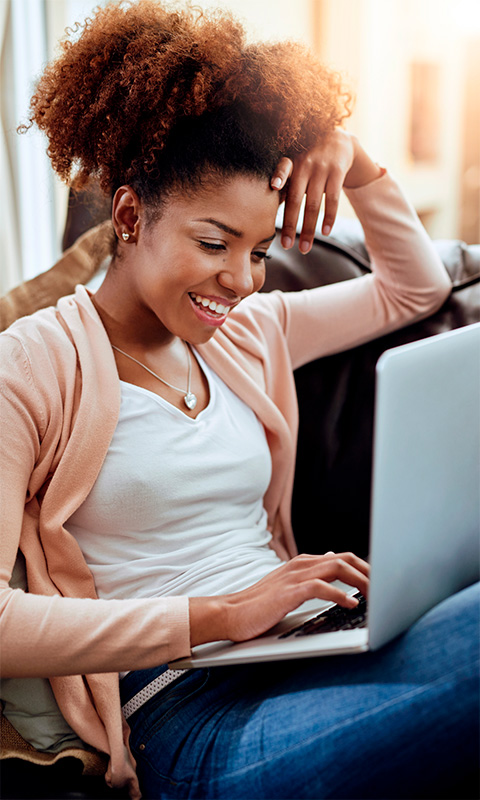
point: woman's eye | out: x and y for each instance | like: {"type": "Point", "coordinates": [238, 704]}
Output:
{"type": "Point", "coordinates": [258, 255]}
{"type": "Point", "coordinates": [212, 246]}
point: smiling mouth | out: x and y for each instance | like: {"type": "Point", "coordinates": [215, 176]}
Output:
{"type": "Point", "coordinates": [210, 306]}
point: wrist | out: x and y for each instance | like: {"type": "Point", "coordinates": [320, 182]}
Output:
{"type": "Point", "coordinates": [363, 169]}
{"type": "Point", "coordinates": [208, 621]}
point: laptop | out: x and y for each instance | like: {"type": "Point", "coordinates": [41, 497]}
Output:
{"type": "Point", "coordinates": [425, 510]}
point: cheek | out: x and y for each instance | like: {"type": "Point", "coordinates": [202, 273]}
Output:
{"type": "Point", "coordinates": [259, 278]}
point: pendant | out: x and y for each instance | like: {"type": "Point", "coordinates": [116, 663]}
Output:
{"type": "Point", "coordinates": [190, 400]}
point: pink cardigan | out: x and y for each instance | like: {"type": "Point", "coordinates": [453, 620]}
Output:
{"type": "Point", "coordinates": [59, 408]}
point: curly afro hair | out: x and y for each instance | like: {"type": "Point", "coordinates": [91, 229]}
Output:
{"type": "Point", "coordinates": [156, 96]}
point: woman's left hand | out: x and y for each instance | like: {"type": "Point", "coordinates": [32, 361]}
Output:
{"type": "Point", "coordinates": [317, 172]}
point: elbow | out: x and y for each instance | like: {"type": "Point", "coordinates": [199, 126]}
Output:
{"type": "Point", "coordinates": [436, 301]}
{"type": "Point", "coordinates": [423, 302]}
{"type": "Point", "coordinates": [441, 292]}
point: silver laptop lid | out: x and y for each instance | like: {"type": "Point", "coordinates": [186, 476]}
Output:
{"type": "Point", "coordinates": [426, 478]}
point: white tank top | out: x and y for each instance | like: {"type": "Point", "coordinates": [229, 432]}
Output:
{"type": "Point", "coordinates": [177, 508]}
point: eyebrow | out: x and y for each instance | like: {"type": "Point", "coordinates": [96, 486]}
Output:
{"type": "Point", "coordinates": [231, 231]}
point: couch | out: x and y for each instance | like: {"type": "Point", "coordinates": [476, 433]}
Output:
{"type": "Point", "coordinates": [336, 396]}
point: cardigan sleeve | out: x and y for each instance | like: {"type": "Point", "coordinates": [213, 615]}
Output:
{"type": "Point", "coordinates": [46, 634]}
{"type": "Point", "coordinates": [408, 281]}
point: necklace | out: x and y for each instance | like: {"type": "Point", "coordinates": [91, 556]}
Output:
{"type": "Point", "coordinates": [189, 398]}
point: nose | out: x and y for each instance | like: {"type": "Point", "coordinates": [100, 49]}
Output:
{"type": "Point", "coordinates": [238, 275]}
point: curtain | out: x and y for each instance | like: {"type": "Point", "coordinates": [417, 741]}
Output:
{"type": "Point", "coordinates": [10, 251]}
{"type": "Point", "coordinates": [28, 242]}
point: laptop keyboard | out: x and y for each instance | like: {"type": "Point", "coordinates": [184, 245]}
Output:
{"type": "Point", "coordinates": [335, 619]}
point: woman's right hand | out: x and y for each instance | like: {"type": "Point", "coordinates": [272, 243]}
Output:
{"type": "Point", "coordinates": [322, 171]}
{"type": "Point", "coordinates": [249, 613]}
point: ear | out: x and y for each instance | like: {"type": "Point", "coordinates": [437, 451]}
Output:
{"type": "Point", "coordinates": [126, 214]}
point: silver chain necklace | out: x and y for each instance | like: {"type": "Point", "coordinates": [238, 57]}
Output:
{"type": "Point", "coordinates": [189, 398]}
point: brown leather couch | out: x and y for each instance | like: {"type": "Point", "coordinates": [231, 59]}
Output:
{"type": "Point", "coordinates": [332, 483]}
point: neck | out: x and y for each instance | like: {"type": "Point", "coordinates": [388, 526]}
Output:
{"type": "Point", "coordinates": [116, 321]}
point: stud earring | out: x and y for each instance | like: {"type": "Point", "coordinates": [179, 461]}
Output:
{"type": "Point", "coordinates": [125, 237]}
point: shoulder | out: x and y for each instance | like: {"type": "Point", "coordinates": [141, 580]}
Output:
{"type": "Point", "coordinates": [263, 314]}
{"type": "Point", "coordinates": [38, 365]}
{"type": "Point", "coordinates": [39, 337]}
{"type": "Point", "coordinates": [57, 332]}
{"type": "Point", "coordinates": [251, 338]}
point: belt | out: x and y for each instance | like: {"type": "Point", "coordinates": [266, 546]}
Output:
{"type": "Point", "coordinates": [150, 690]}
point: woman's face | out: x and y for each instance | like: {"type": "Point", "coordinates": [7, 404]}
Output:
{"type": "Point", "coordinates": [188, 270]}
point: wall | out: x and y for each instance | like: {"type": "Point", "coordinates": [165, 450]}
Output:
{"type": "Point", "coordinates": [377, 42]}
{"type": "Point", "coordinates": [271, 19]}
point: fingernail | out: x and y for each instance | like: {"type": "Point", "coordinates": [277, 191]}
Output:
{"type": "Point", "coordinates": [304, 246]}
{"type": "Point", "coordinates": [277, 183]}
{"type": "Point", "coordinates": [286, 242]}
{"type": "Point", "coordinates": [353, 600]}
{"type": "Point", "coordinates": [326, 229]}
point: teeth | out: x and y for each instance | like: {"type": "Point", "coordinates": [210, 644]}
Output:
{"type": "Point", "coordinates": [210, 304]}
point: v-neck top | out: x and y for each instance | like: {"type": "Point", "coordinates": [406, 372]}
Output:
{"type": "Point", "coordinates": [177, 508]}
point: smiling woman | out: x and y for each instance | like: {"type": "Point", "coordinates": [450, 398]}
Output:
{"type": "Point", "coordinates": [149, 429]}
{"type": "Point", "coordinates": [183, 275]}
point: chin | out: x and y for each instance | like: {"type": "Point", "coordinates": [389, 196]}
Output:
{"type": "Point", "coordinates": [200, 338]}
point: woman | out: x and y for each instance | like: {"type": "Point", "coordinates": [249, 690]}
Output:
{"type": "Point", "coordinates": [150, 428]}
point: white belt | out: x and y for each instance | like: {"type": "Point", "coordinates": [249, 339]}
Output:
{"type": "Point", "coordinates": [150, 690]}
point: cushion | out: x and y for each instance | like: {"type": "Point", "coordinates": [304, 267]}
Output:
{"type": "Point", "coordinates": [29, 703]}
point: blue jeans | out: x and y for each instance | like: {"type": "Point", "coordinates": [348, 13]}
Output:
{"type": "Point", "coordinates": [398, 723]}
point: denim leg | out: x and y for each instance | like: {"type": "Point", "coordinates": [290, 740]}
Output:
{"type": "Point", "coordinates": [398, 723]}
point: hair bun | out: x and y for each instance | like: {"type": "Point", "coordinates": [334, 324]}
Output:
{"type": "Point", "coordinates": [111, 99]}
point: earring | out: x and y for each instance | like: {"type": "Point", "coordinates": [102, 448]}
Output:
{"type": "Point", "coordinates": [125, 237]}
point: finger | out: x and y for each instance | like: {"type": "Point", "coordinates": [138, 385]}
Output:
{"type": "Point", "coordinates": [345, 572]}
{"type": "Point", "coordinates": [308, 561]}
{"type": "Point", "coordinates": [337, 568]}
{"type": "Point", "coordinates": [295, 194]}
{"type": "Point", "coordinates": [345, 567]}
{"type": "Point", "coordinates": [283, 170]}
{"type": "Point", "coordinates": [323, 590]}
{"type": "Point", "coordinates": [332, 198]}
{"type": "Point", "coordinates": [351, 558]}
{"type": "Point", "coordinates": [312, 209]}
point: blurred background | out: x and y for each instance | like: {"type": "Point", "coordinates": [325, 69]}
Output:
{"type": "Point", "coordinates": [413, 66]}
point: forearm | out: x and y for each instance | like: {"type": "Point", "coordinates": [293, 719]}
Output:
{"type": "Point", "coordinates": [47, 636]}
{"type": "Point", "coordinates": [408, 281]}
{"type": "Point", "coordinates": [363, 169]}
